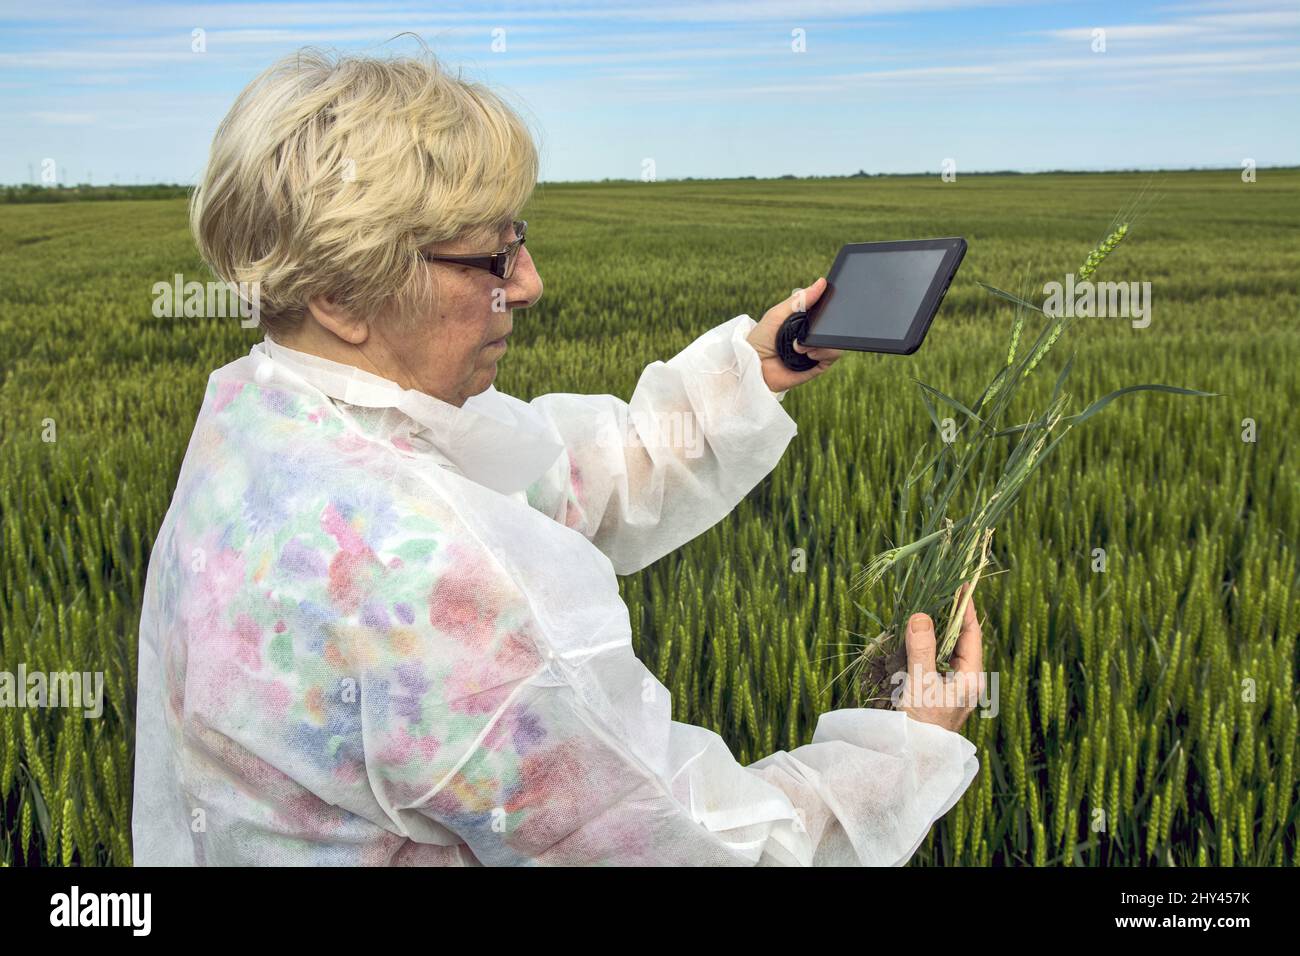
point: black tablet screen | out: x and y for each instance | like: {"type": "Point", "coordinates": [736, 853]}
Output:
{"type": "Point", "coordinates": [892, 283]}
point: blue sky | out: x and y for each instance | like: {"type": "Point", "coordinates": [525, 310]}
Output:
{"type": "Point", "coordinates": [114, 91]}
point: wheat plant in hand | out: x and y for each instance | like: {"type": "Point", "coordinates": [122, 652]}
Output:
{"type": "Point", "coordinates": [950, 549]}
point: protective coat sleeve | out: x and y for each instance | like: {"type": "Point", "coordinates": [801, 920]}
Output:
{"type": "Point", "coordinates": [513, 713]}
{"type": "Point", "coordinates": [700, 431]}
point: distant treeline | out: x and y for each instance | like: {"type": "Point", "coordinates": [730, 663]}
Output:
{"type": "Point", "coordinates": [863, 174]}
{"type": "Point", "coordinates": [28, 193]}
{"type": "Point", "coordinates": [61, 193]}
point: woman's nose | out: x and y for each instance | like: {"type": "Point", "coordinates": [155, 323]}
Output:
{"type": "Point", "coordinates": [525, 281]}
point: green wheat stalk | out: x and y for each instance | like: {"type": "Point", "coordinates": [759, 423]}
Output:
{"type": "Point", "coordinates": [952, 550]}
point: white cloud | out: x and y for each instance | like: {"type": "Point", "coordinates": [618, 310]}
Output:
{"type": "Point", "coordinates": [1218, 23]}
{"type": "Point", "coordinates": [1144, 31]}
{"type": "Point", "coordinates": [160, 16]}
{"type": "Point", "coordinates": [63, 59]}
{"type": "Point", "coordinates": [1104, 71]}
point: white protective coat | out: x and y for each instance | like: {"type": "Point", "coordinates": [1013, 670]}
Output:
{"type": "Point", "coordinates": [379, 629]}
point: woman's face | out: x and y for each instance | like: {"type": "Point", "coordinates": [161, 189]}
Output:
{"type": "Point", "coordinates": [453, 353]}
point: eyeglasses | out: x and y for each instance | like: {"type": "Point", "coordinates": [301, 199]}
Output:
{"type": "Point", "coordinates": [500, 264]}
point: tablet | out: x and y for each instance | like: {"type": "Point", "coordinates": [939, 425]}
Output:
{"type": "Point", "coordinates": [882, 296]}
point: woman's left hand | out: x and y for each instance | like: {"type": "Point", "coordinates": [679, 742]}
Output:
{"type": "Point", "coordinates": [763, 337]}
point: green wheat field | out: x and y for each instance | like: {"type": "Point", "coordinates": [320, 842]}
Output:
{"type": "Point", "coordinates": [1147, 712]}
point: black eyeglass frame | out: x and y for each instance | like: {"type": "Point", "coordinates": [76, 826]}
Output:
{"type": "Point", "coordinates": [500, 264]}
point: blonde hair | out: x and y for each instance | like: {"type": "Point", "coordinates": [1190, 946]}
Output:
{"type": "Point", "coordinates": [330, 173]}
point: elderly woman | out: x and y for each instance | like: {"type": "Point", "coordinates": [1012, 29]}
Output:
{"type": "Point", "coordinates": [381, 623]}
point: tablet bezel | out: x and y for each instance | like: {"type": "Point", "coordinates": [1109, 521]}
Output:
{"type": "Point", "coordinates": [920, 324]}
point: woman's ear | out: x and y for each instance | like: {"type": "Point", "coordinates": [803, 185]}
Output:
{"type": "Point", "coordinates": [334, 318]}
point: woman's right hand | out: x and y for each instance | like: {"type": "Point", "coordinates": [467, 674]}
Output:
{"type": "Point", "coordinates": [944, 699]}
{"type": "Point", "coordinates": [763, 338]}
